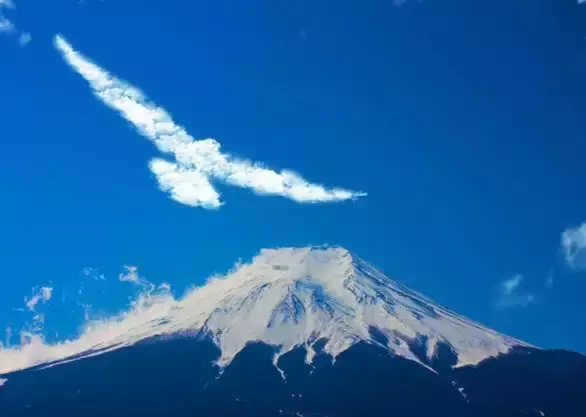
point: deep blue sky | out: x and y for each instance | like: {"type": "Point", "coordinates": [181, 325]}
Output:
{"type": "Point", "coordinates": [463, 120]}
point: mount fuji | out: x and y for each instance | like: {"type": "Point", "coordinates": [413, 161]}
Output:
{"type": "Point", "coordinates": [297, 332]}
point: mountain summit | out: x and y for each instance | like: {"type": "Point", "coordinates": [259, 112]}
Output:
{"type": "Point", "coordinates": [295, 297]}
{"type": "Point", "coordinates": [299, 332]}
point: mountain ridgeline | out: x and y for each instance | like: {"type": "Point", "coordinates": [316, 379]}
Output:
{"type": "Point", "coordinates": [297, 332]}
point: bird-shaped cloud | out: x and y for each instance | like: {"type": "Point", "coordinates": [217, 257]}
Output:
{"type": "Point", "coordinates": [196, 163]}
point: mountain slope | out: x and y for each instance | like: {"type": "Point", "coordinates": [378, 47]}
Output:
{"type": "Point", "coordinates": [293, 297]}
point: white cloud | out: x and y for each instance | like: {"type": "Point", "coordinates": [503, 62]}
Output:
{"type": "Point", "coordinates": [9, 28]}
{"type": "Point", "coordinates": [6, 26]}
{"type": "Point", "coordinates": [549, 281]}
{"type": "Point", "coordinates": [574, 246]}
{"type": "Point", "coordinates": [87, 308]}
{"type": "Point", "coordinates": [509, 286]}
{"type": "Point", "coordinates": [46, 292]}
{"type": "Point", "coordinates": [93, 273]}
{"type": "Point", "coordinates": [509, 294]}
{"type": "Point", "coordinates": [38, 323]}
{"type": "Point", "coordinates": [186, 186]}
{"type": "Point", "coordinates": [32, 302]}
{"type": "Point", "coordinates": [8, 340]}
{"type": "Point", "coordinates": [188, 179]}
{"type": "Point", "coordinates": [130, 274]}
{"type": "Point", "coordinates": [40, 295]}
{"type": "Point", "coordinates": [24, 39]}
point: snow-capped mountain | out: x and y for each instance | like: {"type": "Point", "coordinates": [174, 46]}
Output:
{"type": "Point", "coordinates": [297, 331]}
{"type": "Point", "coordinates": [292, 297]}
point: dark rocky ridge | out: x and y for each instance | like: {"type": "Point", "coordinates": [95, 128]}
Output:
{"type": "Point", "coordinates": [177, 377]}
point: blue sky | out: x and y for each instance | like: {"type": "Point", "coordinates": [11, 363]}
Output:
{"type": "Point", "coordinates": [462, 120]}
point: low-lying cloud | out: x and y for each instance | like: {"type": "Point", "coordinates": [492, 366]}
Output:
{"type": "Point", "coordinates": [187, 178]}
{"type": "Point", "coordinates": [108, 333]}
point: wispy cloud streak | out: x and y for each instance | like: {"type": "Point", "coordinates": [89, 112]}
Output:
{"type": "Point", "coordinates": [509, 295]}
{"type": "Point", "coordinates": [9, 28]}
{"type": "Point", "coordinates": [6, 26]}
{"type": "Point", "coordinates": [187, 179]}
{"type": "Point", "coordinates": [574, 246]}
{"type": "Point", "coordinates": [130, 274]}
{"type": "Point", "coordinates": [42, 294]}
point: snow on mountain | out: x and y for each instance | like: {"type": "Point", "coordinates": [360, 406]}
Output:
{"type": "Point", "coordinates": [286, 298]}
{"type": "Point", "coordinates": [294, 297]}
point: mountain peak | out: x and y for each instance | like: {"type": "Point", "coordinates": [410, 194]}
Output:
{"type": "Point", "coordinates": [293, 297]}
